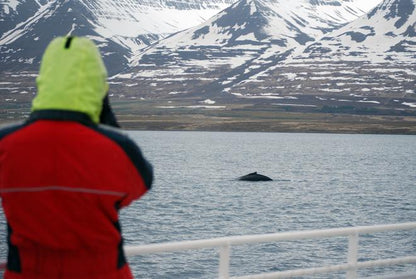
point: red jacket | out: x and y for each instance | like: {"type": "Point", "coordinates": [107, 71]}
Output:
{"type": "Point", "coordinates": [63, 180]}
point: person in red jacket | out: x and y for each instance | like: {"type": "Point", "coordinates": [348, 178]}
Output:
{"type": "Point", "coordinates": [64, 176]}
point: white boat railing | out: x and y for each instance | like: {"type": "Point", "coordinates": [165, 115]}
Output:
{"type": "Point", "coordinates": [224, 245]}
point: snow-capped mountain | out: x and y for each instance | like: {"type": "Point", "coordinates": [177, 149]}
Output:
{"type": "Point", "coordinates": [387, 33]}
{"type": "Point", "coordinates": [370, 61]}
{"type": "Point", "coordinates": [239, 35]}
{"type": "Point", "coordinates": [299, 52]}
{"type": "Point", "coordinates": [285, 23]}
{"type": "Point", "coordinates": [22, 46]}
{"type": "Point", "coordinates": [121, 28]}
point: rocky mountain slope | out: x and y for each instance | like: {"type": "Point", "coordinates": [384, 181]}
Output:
{"type": "Point", "coordinates": [248, 35]}
{"type": "Point", "coordinates": [368, 63]}
{"type": "Point", "coordinates": [387, 33]}
{"type": "Point", "coordinates": [121, 28]}
{"type": "Point", "coordinates": [349, 56]}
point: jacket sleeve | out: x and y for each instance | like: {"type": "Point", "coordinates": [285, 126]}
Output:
{"type": "Point", "coordinates": [142, 165]}
{"type": "Point", "coordinates": [133, 152]}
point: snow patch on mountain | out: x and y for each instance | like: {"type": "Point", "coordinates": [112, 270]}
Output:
{"type": "Point", "coordinates": [9, 6]}
{"type": "Point", "coordinates": [120, 28]}
{"type": "Point", "coordinates": [239, 42]}
{"type": "Point", "coordinates": [250, 28]}
{"type": "Point", "coordinates": [134, 18]}
{"type": "Point", "coordinates": [387, 33]}
{"type": "Point", "coordinates": [24, 27]}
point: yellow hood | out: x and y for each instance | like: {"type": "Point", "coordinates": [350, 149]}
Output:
{"type": "Point", "coordinates": [72, 77]}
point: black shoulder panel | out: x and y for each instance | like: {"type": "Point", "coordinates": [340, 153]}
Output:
{"type": "Point", "coordinates": [132, 151]}
{"type": "Point", "coordinates": [13, 256]}
{"type": "Point", "coordinates": [7, 130]}
{"type": "Point", "coordinates": [60, 115]}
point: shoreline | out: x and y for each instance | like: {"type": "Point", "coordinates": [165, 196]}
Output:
{"type": "Point", "coordinates": [261, 121]}
{"type": "Point", "coordinates": [145, 126]}
{"type": "Point", "coordinates": [336, 125]}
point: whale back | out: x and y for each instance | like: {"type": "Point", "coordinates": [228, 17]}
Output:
{"type": "Point", "coordinates": [254, 176]}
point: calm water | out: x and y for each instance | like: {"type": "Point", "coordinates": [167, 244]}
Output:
{"type": "Point", "coordinates": [320, 181]}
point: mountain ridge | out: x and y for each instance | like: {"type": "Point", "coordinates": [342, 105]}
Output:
{"type": "Point", "coordinates": [367, 63]}
{"type": "Point", "coordinates": [303, 55]}
{"type": "Point", "coordinates": [120, 28]}
{"type": "Point", "coordinates": [248, 30]}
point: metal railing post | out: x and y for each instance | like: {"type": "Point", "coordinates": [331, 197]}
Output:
{"type": "Point", "coordinates": [224, 268]}
{"type": "Point", "coordinates": [352, 255]}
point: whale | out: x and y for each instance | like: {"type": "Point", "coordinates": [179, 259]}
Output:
{"type": "Point", "coordinates": [254, 176]}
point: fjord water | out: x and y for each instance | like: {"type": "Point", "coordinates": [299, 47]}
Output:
{"type": "Point", "coordinates": [320, 181]}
